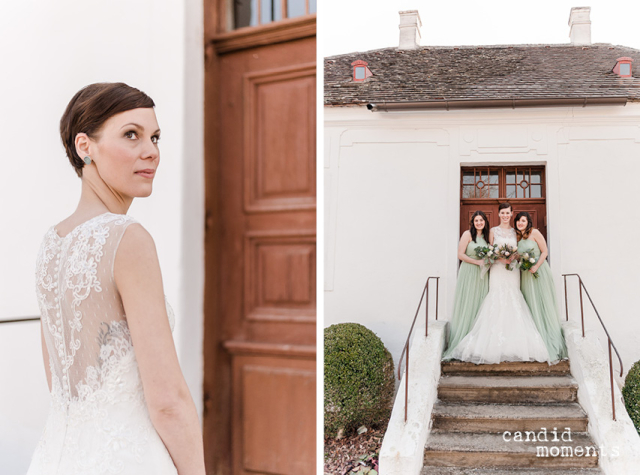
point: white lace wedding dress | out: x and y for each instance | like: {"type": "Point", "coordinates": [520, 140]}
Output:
{"type": "Point", "coordinates": [504, 329]}
{"type": "Point", "coordinates": [98, 421]}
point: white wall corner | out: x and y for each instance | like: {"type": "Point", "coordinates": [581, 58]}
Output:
{"type": "Point", "coordinates": [409, 29]}
{"type": "Point", "coordinates": [618, 441]}
{"type": "Point", "coordinates": [402, 450]}
{"type": "Point", "coordinates": [580, 25]}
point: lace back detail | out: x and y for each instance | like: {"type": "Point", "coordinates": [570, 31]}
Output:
{"type": "Point", "coordinates": [99, 422]}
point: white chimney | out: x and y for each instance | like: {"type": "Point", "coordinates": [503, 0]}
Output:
{"type": "Point", "coordinates": [580, 26]}
{"type": "Point", "coordinates": [409, 29]}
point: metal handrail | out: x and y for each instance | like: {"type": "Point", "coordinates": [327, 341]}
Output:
{"type": "Point", "coordinates": [610, 344]}
{"type": "Point", "coordinates": [405, 350]}
{"type": "Point", "coordinates": [17, 320]}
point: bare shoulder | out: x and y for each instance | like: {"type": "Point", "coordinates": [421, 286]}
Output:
{"type": "Point", "coordinates": [466, 236]}
{"type": "Point", "coordinates": [135, 237]}
{"type": "Point", "coordinates": [536, 234]}
{"type": "Point", "coordinates": [136, 254]}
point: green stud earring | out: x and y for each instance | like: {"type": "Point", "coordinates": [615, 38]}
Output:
{"type": "Point", "coordinates": [87, 159]}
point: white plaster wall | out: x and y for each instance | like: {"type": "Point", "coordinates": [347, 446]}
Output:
{"type": "Point", "coordinates": [49, 50]}
{"type": "Point", "coordinates": [392, 207]}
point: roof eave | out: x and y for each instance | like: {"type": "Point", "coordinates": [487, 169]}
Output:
{"type": "Point", "coordinates": [446, 104]}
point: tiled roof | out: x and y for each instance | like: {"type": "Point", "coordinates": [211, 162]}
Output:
{"type": "Point", "coordinates": [482, 72]}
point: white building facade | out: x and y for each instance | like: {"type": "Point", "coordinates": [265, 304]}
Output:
{"type": "Point", "coordinates": [402, 137]}
{"type": "Point", "coordinates": [393, 207]}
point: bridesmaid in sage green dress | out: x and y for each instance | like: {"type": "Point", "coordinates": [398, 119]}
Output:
{"type": "Point", "coordinates": [471, 288]}
{"type": "Point", "coordinates": [540, 293]}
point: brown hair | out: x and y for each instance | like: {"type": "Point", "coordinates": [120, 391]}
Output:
{"type": "Point", "coordinates": [505, 205]}
{"type": "Point", "coordinates": [527, 231]}
{"type": "Point", "coordinates": [91, 107]}
{"type": "Point", "coordinates": [474, 231]}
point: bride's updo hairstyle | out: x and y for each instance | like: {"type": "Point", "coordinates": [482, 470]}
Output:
{"type": "Point", "coordinates": [474, 231]}
{"type": "Point", "coordinates": [505, 206]}
{"type": "Point", "coordinates": [91, 107]}
{"type": "Point", "coordinates": [527, 231]}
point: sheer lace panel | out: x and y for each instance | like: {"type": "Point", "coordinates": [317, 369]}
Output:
{"type": "Point", "coordinates": [504, 236]}
{"type": "Point", "coordinates": [83, 319]}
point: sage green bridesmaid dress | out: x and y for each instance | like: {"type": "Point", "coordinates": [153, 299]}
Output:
{"type": "Point", "coordinates": [471, 290]}
{"type": "Point", "coordinates": [540, 295]}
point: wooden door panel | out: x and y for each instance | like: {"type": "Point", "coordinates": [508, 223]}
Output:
{"type": "Point", "coordinates": [280, 277]}
{"type": "Point", "coordinates": [280, 167]}
{"type": "Point", "coordinates": [276, 395]}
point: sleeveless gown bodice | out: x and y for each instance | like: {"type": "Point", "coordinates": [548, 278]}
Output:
{"type": "Point", "coordinates": [98, 421]}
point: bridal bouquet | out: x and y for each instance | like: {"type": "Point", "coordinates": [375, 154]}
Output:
{"type": "Point", "coordinates": [527, 260]}
{"type": "Point", "coordinates": [488, 254]}
{"type": "Point", "coordinates": [505, 252]}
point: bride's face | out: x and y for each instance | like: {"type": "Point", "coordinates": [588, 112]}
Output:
{"type": "Point", "coordinates": [478, 222]}
{"type": "Point", "coordinates": [505, 215]}
{"type": "Point", "coordinates": [522, 223]}
{"type": "Point", "coordinates": [126, 153]}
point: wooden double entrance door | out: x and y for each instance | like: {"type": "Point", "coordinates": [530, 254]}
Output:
{"type": "Point", "coordinates": [484, 188]}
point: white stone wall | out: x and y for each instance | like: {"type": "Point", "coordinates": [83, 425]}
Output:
{"type": "Point", "coordinates": [49, 50]}
{"type": "Point", "coordinates": [392, 184]}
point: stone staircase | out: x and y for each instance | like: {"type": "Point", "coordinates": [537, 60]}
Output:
{"type": "Point", "coordinates": [478, 403]}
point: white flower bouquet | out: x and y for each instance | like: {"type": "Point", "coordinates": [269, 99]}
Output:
{"type": "Point", "coordinates": [527, 260]}
{"type": "Point", "coordinates": [506, 251]}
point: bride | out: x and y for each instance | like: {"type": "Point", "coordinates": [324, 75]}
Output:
{"type": "Point", "coordinates": [119, 401]}
{"type": "Point", "coordinates": [504, 329]}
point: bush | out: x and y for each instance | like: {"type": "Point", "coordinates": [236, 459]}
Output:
{"type": "Point", "coordinates": [631, 393]}
{"type": "Point", "coordinates": [359, 383]}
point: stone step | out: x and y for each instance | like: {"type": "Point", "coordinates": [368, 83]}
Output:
{"type": "Point", "coordinates": [508, 390]}
{"type": "Point", "coordinates": [431, 470]}
{"type": "Point", "coordinates": [497, 418]}
{"type": "Point", "coordinates": [457, 449]}
{"type": "Point", "coordinates": [513, 368]}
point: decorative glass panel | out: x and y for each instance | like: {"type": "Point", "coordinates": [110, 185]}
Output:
{"type": "Point", "coordinates": [467, 178]}
{"type": "Point", "coordinates": [536, 191]}
{"type": "Point", "coordinates": [536, 177]}
{"type": "Point", "coordinates": [260, 12]}
{"type": "Point", "coordinates": [245, 13]}
{"type": "Point", "coordinates": [468, 191]}
{"type": "Point", "coordinates": [296, 8]}
{"type": "Point", "coordinates": [494, 178]}
{"type": "Point", "coordinates": [511, 178]}
{"type": "Point", "coordinates": [511, 191]}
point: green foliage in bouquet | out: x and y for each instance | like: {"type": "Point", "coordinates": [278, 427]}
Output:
{"type": "Point", "coordinates": [359, 383]}
{"type": "Point", "coordinates": [527, 260]}
{"type": "Point", "coordinates": [631, 394]}
{"type": "Point", "coordinates": [487, 253]}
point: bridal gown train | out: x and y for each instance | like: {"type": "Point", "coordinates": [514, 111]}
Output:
{"type": "Point", "coordinates": [98, 421]}
{"type": "Point", "coordinates": [504, 329]}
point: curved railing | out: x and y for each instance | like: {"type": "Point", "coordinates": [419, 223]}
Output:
{"type": "Point", "coordinates": [582, 286]}
{"type": "Point", "coordinates": [405, 350]}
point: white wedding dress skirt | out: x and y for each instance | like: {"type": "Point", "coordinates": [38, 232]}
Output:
{"type": "Point", "coordinates": [504, 329]}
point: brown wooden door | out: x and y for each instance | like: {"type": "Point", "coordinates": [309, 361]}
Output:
{"type": "Point", "coordinates": [484, 188]}
{"type": "Point", "coordinates": [260, 303]}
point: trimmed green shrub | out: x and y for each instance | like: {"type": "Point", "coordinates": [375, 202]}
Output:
{"type": "Point", "coordinates": [359, 384]}
{"type": "Point", "coordinates": [631, 393]}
